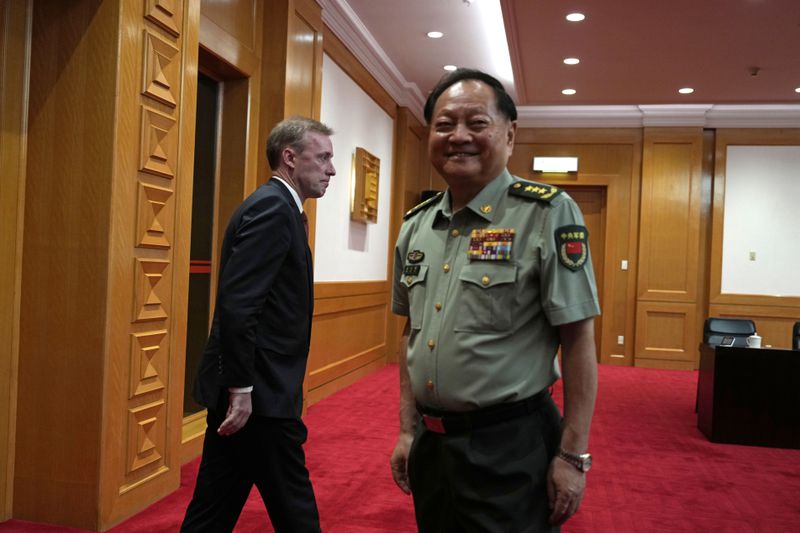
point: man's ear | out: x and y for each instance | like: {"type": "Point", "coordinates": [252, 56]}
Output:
{"type": "Point", "coordinates": [288, 157]}
{"type": "Point", "coordinates": [512, 134]}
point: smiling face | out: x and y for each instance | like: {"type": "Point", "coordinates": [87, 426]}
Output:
{"type": "Point", "coordinates": [470, 141]}
{"type": "Point", "coordinates": [313, 167]}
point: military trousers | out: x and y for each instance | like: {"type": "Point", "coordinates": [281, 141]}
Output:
{"type": "Point", "coordinates": [487, 480]}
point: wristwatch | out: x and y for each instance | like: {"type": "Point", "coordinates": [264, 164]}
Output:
{"type": "Point", "coordinates": [582, 462]}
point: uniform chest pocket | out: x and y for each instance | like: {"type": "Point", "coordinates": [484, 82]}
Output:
{"type": "Point", "coordinates": [487, 297]}
{"type": "Point", "coordinates": [414, 279]}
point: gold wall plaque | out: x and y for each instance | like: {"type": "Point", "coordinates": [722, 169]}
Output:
{"type": "Point", "coordinates": [364, 202]}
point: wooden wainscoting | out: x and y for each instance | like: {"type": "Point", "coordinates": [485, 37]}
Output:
{"type": "Point", "coordinates": [666, 336]}
{"type": "Point", "coordinates": [349, 335]}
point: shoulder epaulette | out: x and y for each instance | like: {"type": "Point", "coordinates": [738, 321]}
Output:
{"type": "Point", "coordinates": [422, 206]}
{"type": "Point", "coordinates": [534, 191]}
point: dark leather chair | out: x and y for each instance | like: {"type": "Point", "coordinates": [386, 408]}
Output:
{"type": "Point", "coordinates": [796, 336]}
{"type": "Point", "coordinates": [715, 329]}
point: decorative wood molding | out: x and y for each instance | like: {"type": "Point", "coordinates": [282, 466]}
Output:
{"type": "Point", "coordinates": [343, 21]}
{"type": "Point", "coordinates": [167, 14]}
{"type": "Point", "coordinates": [161, 72]}
{"type": "Point", "coordinates": [151, 219]}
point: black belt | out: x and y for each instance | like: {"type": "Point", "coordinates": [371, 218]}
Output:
{"type": "Point", "coordinates": [455, 422]}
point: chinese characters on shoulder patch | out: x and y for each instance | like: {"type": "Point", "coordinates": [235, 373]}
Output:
{"type": "Point", "coordinates": [572, 245]}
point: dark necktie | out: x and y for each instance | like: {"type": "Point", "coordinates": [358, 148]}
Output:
{"type": "Point", "coordinates": [305, 222]}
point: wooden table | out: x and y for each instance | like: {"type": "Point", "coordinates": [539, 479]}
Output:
{"type": "Point", "coordinates": [749, 396]}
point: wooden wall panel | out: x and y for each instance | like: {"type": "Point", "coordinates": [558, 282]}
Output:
{"type": "Point", "coordinates": [348, 335]}
{"type": "Point", "coordinates": [65, 261]}
{"type": "Point", "coordinates": [666, 336]}
{"type": "Point", "coordinates": [143, 397]}
{"type": "Point", "coordinates": [409, 165]}
{"type": "Point", "coordinates": [669, 246]}
{"type": "Point", "coordinates": [15, 20]}
{"type": "Point", "coordinates": [292, 74]}
{"type": "Point", "coordinates": [670, 224]}
{"type": "Point", "coordinates": [609, 159]}
{"type": "Point", "coordinates": [103, 289]}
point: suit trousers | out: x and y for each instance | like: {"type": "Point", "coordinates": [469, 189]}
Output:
{"type": "Point", "coordinates": [267, 452]}
{"type": "Point", "coordinates": [487, 480]}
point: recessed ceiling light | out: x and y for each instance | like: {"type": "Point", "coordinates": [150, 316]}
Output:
{"type": "Point", "coordinates": [435, 34]}
{"type": "Point", "coordinates": [571, 61]}
{"type": "Point", "coordinates": [797, 90]}
{"type": "Point", "coordinates": [569, 92]}
{"type": "Point", "coordinates": [686, 90]}
{"type": "Point", "coordinates": [450, 68]}
{"type": "Point", "coordinates": [576, 17]}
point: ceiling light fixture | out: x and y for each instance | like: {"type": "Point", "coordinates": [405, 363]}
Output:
{"type": "Point", "coordinates": [686, 90]}
{"type": "Point", "coordinates": [450, 68]}
{"type": "Point", "coordinates": [576, 17]}
{"type": "Point", "coordinates": [568, 92]}
{"type": "Point", "coordinates": [797, 90]}
{"type": "Point", "coordinates": [571, 61]}
{"type": "Point", "coordinates": [435, 34]}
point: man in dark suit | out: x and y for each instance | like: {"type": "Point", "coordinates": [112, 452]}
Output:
{"type": "Point", "coordinates": [251, 374]}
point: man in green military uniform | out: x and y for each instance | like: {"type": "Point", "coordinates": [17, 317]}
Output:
{"type": "Point", "coordinates": [494, 275]}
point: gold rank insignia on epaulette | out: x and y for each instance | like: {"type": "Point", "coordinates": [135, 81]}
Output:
{"type": "Point", "coordinates": [424, 205]}
{"type": "Point", "coordinates": [534, 191]}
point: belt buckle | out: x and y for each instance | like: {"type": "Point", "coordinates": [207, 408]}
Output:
{"type": "Point", "coordinates": [434, 423]}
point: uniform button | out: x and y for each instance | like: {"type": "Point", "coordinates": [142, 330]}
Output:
{"type": "Point", "coordinates": [431, 344]}
{"type": "Point", "coordinates": [446, 267]}
{"type": "Point", "coordinates": [485, 280]}
{"type": "Point", "coordinates": [409, 279]}
{"type": "Point", "coordinates": [429, 384]}
{"type": "Point", "coordinates": [454, 233]}
{"type": "Point", "coordinates": [438, 306]}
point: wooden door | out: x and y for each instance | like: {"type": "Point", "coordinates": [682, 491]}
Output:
{"type": "Point", "coordinates": [592, 201]}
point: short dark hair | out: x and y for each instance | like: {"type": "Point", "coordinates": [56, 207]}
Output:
{"type": "Point", "coordinates": [291, 132]}
{"type": "Point", "coordinates": [504, 102]}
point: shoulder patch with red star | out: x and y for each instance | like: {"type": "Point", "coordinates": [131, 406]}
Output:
{"type": "Point", "coordinates": [572, 246]}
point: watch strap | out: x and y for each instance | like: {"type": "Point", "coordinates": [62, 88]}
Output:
{"type": "Point", "coordinates": [582, 462]}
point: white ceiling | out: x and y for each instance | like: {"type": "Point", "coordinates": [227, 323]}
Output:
{"type": "Point", "coordinates": [635, 55]}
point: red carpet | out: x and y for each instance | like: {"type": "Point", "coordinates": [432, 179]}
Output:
{"type": "Point", "coordinates": [653, 470]}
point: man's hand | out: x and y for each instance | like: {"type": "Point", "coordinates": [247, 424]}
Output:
{"type": "Point", "coordinates": [565, 485]}
{"type": "Point", "coordinates": [399, 461]}
{"type": "Point", "coordinates": [239, 408]}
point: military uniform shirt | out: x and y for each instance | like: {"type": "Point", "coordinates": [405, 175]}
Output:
{"type": "Point", "coordinates": [484, 331]}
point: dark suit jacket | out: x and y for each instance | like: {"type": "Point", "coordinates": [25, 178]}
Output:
{"type": "Point", "coordinates": [262, 320]}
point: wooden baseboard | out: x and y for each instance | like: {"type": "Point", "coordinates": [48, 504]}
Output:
{"type": "Point", "coordinates": [345, 380]}
{"type": "Point", "coordinates": [664, 364]}
{"type": "Point", "coordinates": [194, 430]}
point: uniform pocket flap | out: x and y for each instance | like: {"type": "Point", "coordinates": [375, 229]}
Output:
{"type": "Point", "coordinates": [488, 275]}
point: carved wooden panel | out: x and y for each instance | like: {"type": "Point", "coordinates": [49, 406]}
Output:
{"type": "Point", "coordinates": [146, 435]}
{"type": "Point", "coordinates": [161, 72]}
{"type": "Point", "coordinates": [159, 143]}
{"type": "Point", "coordinates": [165, 13]}
{"type": "Point", "coordinates": [149, 362]}
{"type": "Point", "coordinates": [666, 331]}
{"type": "Point", "coordinates": [149, 292]}
{"type": "Point", "coordinates": [151, 219]}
